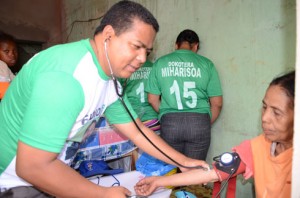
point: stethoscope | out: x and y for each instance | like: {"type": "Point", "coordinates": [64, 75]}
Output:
{"type": "Point", "coordinates": [120, 96]}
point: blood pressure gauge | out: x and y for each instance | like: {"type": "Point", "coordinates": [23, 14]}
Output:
{"type": "Point", "coordinates": [226, 159]}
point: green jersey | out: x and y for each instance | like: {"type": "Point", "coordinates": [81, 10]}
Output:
{"type": "Point", "coordinates": [185, 81]}
{"type": "Point", "coordinates": [135, 91]}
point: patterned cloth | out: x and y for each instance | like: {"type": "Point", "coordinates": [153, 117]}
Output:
{"type": "Point", "coordinates": [105, 143]}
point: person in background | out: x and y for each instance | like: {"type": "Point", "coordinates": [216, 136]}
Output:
{"type": "Point", "coordinates": [60, 91]}
{"type": "Point", "coordinates": [138, 98]}
{"type": "Point", "coordinates": [8, 50]}
{"type": "Point", "coordinates": [185, 89]}
{"type": "Point", "coordinates": [267, 158]}
{"type": "Point", "coordinates": [8, 58]}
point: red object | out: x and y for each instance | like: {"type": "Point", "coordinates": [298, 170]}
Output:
{"type": "Point", "coordinates": [231, 188]}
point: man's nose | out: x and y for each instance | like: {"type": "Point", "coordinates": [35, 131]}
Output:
{"type": "Point", "coordinates": [142, 56]}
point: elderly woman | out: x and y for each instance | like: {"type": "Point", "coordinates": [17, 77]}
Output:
{"type": "Point", "coordinates": [267, 158]}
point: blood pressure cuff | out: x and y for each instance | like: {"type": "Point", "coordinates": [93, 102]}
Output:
{"type": "Point", "coordinates": [230, 170]}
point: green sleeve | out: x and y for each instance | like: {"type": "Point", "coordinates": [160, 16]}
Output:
{"type": "Point", "coordinates": [53, 108]}
{"type": "Point", "coordinates": [117, 114]}
{"type": "Point", "coordinates": [152, 86]}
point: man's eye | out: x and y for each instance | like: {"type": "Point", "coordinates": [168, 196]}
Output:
{"type": "Point", "coordinates": [137, 47]}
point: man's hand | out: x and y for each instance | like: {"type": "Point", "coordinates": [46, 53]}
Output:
{"type": "Point", "coordinates": [194, 164]}
{"type": "Point", "coordinates": [116, 191]}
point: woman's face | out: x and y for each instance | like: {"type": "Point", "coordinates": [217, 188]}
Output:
{"type": "Point", "coordinates": [9, 53]}
{"type": "Point", "coordinates": [278, 115]}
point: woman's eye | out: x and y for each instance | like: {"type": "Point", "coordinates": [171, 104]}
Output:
{"type": "Point", "coordinates": [276, 113]}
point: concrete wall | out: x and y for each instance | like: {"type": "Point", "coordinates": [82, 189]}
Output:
{"type": "Point", "coordinates": [32, 20]}
{"type": "Point", "coordinates": [82, 17]}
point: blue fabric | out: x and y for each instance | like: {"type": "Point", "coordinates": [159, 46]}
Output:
{"type": "Point", "coordinates": [91, 168]}
{"type": "Point", "coordinates": [184, 194]}
{"type": "Point", "coordinates": [102, 153]}
{"type": "Point", "coordinates": [101, 123]}
{"type": "Point", "coordinates": [151, 166]}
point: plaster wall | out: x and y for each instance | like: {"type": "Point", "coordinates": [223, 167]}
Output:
{"type": "Point", "coordinates": [250, 42]}
{"type": "Point", "coordinates": [82, 18]}
{"type": "Point", "coordinates": [32, 20]}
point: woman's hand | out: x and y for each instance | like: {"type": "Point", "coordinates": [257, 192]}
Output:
{"type": "Point", "coordinates": [147, 186]}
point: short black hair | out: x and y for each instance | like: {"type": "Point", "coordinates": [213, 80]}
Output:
{"type": "Point", "coordinates": [6, 37]}
{"type": "Point", "coordinates": [187, 36]}
{"type": "Point", "coordinates": [121, 15]}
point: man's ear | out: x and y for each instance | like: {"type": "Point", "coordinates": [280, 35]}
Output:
{"type": "Point", "coordinates": [108, 32]}
{"type": "Point", "coordinates": [176, 46]}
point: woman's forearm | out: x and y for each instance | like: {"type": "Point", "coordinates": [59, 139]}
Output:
{"type": "Point", "coordinates": [192, 177]}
